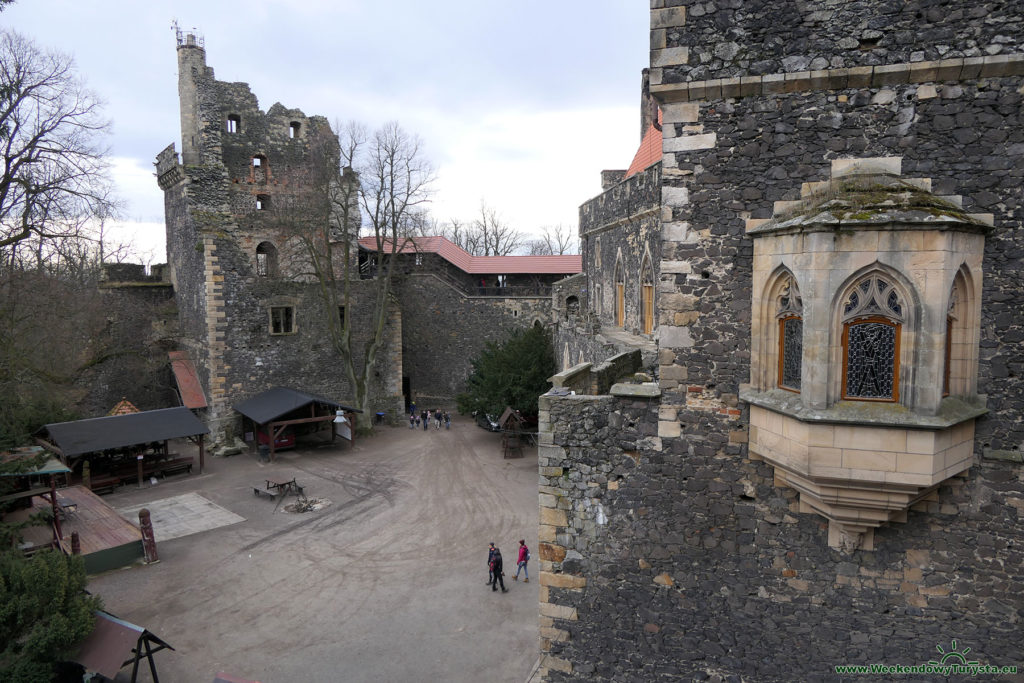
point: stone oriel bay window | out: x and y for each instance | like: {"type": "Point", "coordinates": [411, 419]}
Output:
{"type": "Point", "coordinates": [864, 350]}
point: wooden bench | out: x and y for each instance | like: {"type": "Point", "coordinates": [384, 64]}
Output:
{"type": "Point", "coordinates": [258, 492]}
{"type": "Point", "coordinates": [280, 489]}
{"type": "Point", "coordinates": [104, 483]}
{"type": "Point", "coordinates": [183, 464]}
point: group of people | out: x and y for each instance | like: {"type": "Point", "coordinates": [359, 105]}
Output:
{"type": "Point", "coordinates": [495, 566]}
{"type": "Point", "coordinates": [425, 417]}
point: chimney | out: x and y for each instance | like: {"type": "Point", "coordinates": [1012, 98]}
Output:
{"type": "Point", "coordinates": [648, 105]}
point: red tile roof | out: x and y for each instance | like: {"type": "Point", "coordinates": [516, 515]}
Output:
{"type": "Point", "coordinates": [188, 380]}
{"type": "Point", "coordinates": [483, 265]}
{"type": "Point", "coordinates": [650, 149]}
{"type": "Point", "coordinates": [123, 407]}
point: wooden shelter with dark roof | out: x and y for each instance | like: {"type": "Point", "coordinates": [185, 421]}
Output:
{"type": "Point", "coordinates": [125, 447]}
{"type": "Point", "coordinates": [271, 412]}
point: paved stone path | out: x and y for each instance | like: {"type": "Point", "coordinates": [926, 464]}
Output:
{"type": "Point", "coordinates": [182, 515]}
{"type": "Point", "coordinates": [385, 584]}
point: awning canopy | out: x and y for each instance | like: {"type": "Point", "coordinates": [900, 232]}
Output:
{"type": "Point", "coordinates": [273, 403]}
{"type": "Point", "coordinates": [50, 466]}
{"type": "Point", "coordinates": [121, 431]}
{"type": "Point", "coordinates": [114, 643]}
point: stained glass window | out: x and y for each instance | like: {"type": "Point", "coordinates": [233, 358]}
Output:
{"type": "Point", "coordinates": [789, 309]}
{"type": "Point", "coordinates": [792, 335]}
{"type": "Point", "coordinates": [871, 348]}
{"type": "Point", "coordinates": [873, 313]}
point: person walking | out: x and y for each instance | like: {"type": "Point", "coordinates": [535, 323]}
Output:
{"type": "Point", "coordinates": [490, 564]}
{"type": "Point", "coordinates": [437, 420]}
{"type": "Point", "coordinates": [447, 420]}
{"type": "Point", "coordinates": [524, 557]}
{"type": "Point", "coordinates": [412, 420]}
{"type": "Point", "coordinates": [425, 415]}
{"type": "Point", "coordinates": [497, 573]}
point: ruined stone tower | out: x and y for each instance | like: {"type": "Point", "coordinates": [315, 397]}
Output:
{"type": "Point", "coordinates": [826, 469]}
{"type": "Point", "coordinates": [248, 184]}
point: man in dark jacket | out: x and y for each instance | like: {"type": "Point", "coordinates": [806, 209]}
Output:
{"type": "Point", "coordinates": [490, 564]}
{"type": "Point", "coordinates": [496, 572]}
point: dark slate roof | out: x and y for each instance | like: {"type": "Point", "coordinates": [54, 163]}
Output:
{"type": "Point", "coordinates": [273, 403]}
{"type": "Point", "coordinates": [120, 431]}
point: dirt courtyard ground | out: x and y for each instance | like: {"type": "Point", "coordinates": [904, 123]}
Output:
{"type": "Point", "coordinates": [384, 584]}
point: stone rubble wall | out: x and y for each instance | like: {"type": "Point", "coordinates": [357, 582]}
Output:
{"type": "Point", "coordinates": [679, 558]}
{"type": "Point", "coordinates": [444, 331]}
{"type": "Point", "coordinates": [675, 555]}
{"type": "Point", "coordinates": [696, 40]}
{"type": "Point", "coordinates": [623, 222]}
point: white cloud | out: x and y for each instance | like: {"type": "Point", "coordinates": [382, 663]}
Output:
{"type": "Point", "coordinates": [534, 168]}
{"type": "Point", "coordinates": [521, 105]}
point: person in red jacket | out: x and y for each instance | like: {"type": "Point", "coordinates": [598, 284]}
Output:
{"type": "Point", "coordinates": [524, 557]}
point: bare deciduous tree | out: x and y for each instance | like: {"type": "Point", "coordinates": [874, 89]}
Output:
{"type": "Point", "coordinates": [555, 240]}
{"type": "Point", "coordinates": [54, 177]}
{"type": "Point", "coordinates": [381, 190]}
{"type": "Point", "coordinates": [487, 235]}
{"type": "Point", "coordinates": [497, 238]}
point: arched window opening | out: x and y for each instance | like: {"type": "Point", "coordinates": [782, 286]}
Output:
{"type": "Point", "coordinates": [572, 306]}
{"type": "Point", "coordinates": [262, 202]}
{"type": "Point", "coordinates": [951, 317]}
{"type": "Point", "coordinates": [647, 297]}
{"type": "Point", "coordinates": [873, 314]}
{"type": "Point", "coordinates": [266, 259]}
{"type": "Point", "coordinates": [234, 123]}
{"type": "Point", "coordinates": [620, 294]}
{"type": "Point", "coordinates": [789, 313]}
{"type": "Point", "coordinates": [960, 359]}
{"type": "Point", "coordinates": [293, 129]}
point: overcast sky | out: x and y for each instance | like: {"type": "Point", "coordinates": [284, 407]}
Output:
{"type": "Point", "coordinates": [520, 104]}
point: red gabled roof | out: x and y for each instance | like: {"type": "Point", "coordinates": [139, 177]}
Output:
{"type": "Point", "coordinates": [123, 407]}
{"type": "Point", "coordinates": [483, 265]}
{"type": "Point", "coordinates": [650, 149]}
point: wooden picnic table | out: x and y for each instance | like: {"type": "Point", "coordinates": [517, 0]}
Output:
{"type": "Point", "coordinates": [280, 488]}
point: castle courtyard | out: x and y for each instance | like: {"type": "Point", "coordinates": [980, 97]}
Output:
{"type": "Point", "coordinates": [384, 583]}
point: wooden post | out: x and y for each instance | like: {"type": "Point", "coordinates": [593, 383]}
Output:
{"type": "Point", "coordinates": [58, 535]}
{"type": "Point", "coordinates": [202, 453]}
{"type": "Point", "coordinates": [86, 476]}
{"type": "Point", "coordinates": [148, 539]}
{"type": "Point", "coordinates": [138, 462]}
{"type": "Point", "coordinates": [152, 663]}
{"type": "Point", "coordinates": [76, 544]}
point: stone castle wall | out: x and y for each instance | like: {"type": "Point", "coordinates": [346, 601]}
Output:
{"type": "Point", "coordinates": [444, 331]}
{"type": "Point", "coordinates": [680, 558]}
{"type": "Point", "coordinates": [142, 329]}
{"type": "Point", "coordinates": [623, 225]}
{"type": "Point", "coordinates": [694, 563]}
{"type": "Point", "coordinates": [215, 228]}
